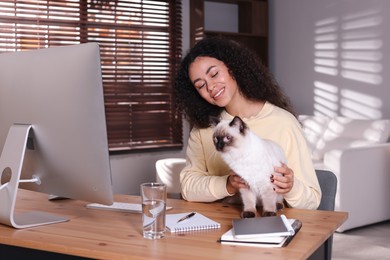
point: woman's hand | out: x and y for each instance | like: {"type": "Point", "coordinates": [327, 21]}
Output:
{"type": "Point", "coordinates": [283, 179]}
{"type": "Point", "coordinates": [235, 183]}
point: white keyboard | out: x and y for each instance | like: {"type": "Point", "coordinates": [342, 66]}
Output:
{"type": "Point", "coordinates": [120, 206]}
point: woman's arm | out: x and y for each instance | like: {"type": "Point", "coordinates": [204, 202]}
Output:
{"type": "Point", "coordinates": [205, 177]}
{"type": "Point", "coordinates": [299, 185]}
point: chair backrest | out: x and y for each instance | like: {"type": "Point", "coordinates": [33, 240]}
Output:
{"type": "Point", "coordinates": [328, 184]}
{"type": "Point", "coordinates": [167, 172]}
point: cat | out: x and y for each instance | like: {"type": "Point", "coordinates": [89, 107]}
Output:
{"type": "Point", "coordinates": [253, 159]}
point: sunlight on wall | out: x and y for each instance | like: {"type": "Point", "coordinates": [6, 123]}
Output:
{"type": "Point", "coordinates": [326, 47]}
{"type": "Point", "coordinates": [358, 105]}
{"type": "Point", "coordinates": [326, 98]}
{"type": "Point", "coordinates": [348, 49]}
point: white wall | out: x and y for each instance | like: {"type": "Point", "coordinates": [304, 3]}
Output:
{"type": "Point", "coordinates": [130, 170]}
{"type": "Point", "coordinates": [330, 56]}
{"type": "Point", "coordinates": [352, 81]}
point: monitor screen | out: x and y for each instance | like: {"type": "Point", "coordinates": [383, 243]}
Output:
{"type": "Point", "coordinates": [52, 120]}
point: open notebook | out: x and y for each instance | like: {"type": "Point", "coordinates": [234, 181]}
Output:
{"type": "Point", "coordinates": [196, 222]}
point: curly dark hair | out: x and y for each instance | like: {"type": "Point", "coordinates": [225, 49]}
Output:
{"type": "Point", "coordinates": [253, 78]}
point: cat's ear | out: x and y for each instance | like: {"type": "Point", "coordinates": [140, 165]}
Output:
{"type": "Point", "coordinates": [237, 122]}
{"type": "Point", "coordinates": [213, 121]}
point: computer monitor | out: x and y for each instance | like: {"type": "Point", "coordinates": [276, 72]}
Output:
{"type": "Point", "coordinates": [53, 132]}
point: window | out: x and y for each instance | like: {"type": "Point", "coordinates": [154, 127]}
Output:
{"type": "Point", "coordinates": [140, 45]}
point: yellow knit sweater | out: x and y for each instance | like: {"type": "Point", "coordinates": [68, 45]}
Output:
{"type": "Point", "coordinates": [204, 178]}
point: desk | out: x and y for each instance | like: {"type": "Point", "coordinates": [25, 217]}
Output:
{"type": "Point", "coordinates": [116, 235]}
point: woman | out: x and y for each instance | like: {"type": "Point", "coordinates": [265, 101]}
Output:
{"type": "Point", "coordinates": [218, 77]}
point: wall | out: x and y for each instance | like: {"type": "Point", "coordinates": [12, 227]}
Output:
{"type": "Point", "coordinates": [330, 56]}
{"type": "Point", "coordinates": [130, 170]}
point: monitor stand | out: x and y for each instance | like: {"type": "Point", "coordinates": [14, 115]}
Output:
{"type": "Point", "coordinates": [11, 163]}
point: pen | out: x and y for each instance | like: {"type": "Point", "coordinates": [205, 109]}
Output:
{"type": "Point", "coordinates": [186, 217]}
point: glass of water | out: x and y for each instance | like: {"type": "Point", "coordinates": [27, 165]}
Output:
{"type": "Point", "coordinates": [153, 196]}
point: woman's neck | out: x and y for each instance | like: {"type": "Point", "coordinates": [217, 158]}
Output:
{"type": "Point", "coordinates": [245, 108]}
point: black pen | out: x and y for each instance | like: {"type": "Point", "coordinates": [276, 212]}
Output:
{"type": "Point", "coordinates": [186, 217]}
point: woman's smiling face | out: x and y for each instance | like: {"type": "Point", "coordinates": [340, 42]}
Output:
{"type": "Point", "coordinates": [213, 81]}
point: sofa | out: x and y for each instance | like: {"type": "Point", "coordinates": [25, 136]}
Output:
{"type": "Point", "coordinates": [357, 151]}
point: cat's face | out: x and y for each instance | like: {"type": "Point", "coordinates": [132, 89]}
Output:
{"type": "Point", "coordinates": [228, 134]}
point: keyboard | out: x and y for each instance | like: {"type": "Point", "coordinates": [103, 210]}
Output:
{"type": "Point", "coordinates": [120, 206]}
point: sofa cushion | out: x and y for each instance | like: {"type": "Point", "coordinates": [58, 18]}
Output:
{"type": "Point", "coordinates": [346, 132]}
{"type": "Point", "coordinates": [376, 130]}
{"type": "Point", "coordinates": [313, 128]}
{"type": "Point", "coordinates": [338, 143]}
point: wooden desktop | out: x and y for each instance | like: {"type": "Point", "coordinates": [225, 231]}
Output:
{"type": "Point", "coordinates": [102, 234]}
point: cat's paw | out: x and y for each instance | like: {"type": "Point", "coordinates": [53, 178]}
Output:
{"type": "Point", "coordinates": [248, 214]}
{"type": "Point", "coordinates": [268, 214]}
{"type": "Point", "coordinates": [279, 206]}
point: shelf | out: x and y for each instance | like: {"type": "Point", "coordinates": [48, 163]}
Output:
{"type": "Point", "coordinates": [251, 16]}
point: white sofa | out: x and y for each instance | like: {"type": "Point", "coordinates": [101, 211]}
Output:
{"type": "Point", "coordinates": [358, 152]}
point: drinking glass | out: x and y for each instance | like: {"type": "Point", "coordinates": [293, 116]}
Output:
{"type": "Point", "coordinates": [153, 196]}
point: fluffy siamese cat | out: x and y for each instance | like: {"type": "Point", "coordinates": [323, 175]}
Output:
{"type": "Point", "coordinates": [253, 159]}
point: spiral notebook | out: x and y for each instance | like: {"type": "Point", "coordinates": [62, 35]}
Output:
{"type": "Point", "coordinates": [196, 222]}
{"type": "Point", "coordinates": [229, 238]}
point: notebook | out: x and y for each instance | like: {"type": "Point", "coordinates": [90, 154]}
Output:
{"type": "Point", "coordinates": [261, 241]}
{"type": "Point", "coordinates": [196, 222]}
{"type": "Point", "coordinates": [262, 226]}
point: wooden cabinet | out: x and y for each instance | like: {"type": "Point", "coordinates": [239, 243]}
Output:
{"type": "Point", "coordinates": [251, 17]}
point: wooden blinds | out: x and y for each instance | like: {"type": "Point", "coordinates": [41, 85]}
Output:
{"type": "Point", "coordinates": [140, 45]}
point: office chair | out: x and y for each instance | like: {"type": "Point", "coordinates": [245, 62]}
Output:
{"type": "Point", "coordinates": [167, 172]}
{"type": "Point", "coordinates": [328, 184]}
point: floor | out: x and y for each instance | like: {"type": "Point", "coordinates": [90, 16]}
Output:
{"type": "Point", "coordinates": [370, 242]}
